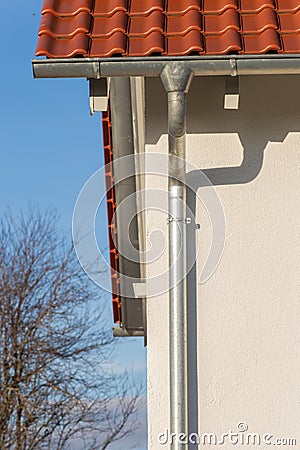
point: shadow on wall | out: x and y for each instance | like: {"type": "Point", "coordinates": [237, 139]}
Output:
{"type": "Point", "coordinates": [269, 110]}
{"type": "Point", "coordinates": [267, 113]}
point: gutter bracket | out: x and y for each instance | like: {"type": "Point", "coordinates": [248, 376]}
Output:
{"type": "Point", "coordinates": [232, 92]}
{"type": "Point", "coordinates": [140, 290]}
{"type": "Point", "coordinates": [99, 94]}
{"type": "Point", "coordinates": [119, 331]}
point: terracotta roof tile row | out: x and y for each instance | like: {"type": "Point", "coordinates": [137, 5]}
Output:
{"type": "Point", "coordinates": [111, 208]}
{"type": "Point", "coordinates": [103, 28]}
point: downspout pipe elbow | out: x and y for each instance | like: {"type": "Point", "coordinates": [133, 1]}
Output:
{"type": "Point", "coordinates": [176, 78]}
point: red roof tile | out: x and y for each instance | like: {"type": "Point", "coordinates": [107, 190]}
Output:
{"type": "Point", "coordinates": [62, 48]}
{"type": "Point", "coordinates": [230, 42]}
{"type": "Point", "coordinates": [257, 23]}
{"type": "Point", "coordinates": [102, 28]}
{"type": "Point", "coordinates": [145, 7]}
{"type": "Point", "coordinates": [147, 44]}
{"type": "Point", "coordinates": [180, 25]}
{"type": "Point", "coordinates": [218, 6]}
{"type": "Point", "coordinates": [108, 45]}
{"type": "Point", "coordinates": [191, 42]}
{"type": "Point", "coordinates": [290, 23]}
{"type": "Point", "coordinates": [217, 24]}
{"type": "Point", "coordinates": [64, 27]}
{"type": "Point", "coordinates": [105, 28]}
{"type": "Point", "coordinates": [291, 43]}
{"type": "Point", "coordinates": [254, 6]}
{"type": "Point", "coordinates": [140, 27]}
{"type": "Point", "coordinates": [66, 8]}
{"type": "Point", "coordinates": [181, 7]}
{"type": "Point", "coordinates": [288, 5]}
{"type": "Point", "coordinates": [107, 8]}
{"type": "Point", "coordinates": [264, 42]}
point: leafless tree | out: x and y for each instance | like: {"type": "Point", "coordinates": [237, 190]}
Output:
{"type": "Point", "coordinates": [56, 385]}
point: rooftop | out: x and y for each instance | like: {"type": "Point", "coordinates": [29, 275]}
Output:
{"type": "Point", "coordinates": [104, 28]}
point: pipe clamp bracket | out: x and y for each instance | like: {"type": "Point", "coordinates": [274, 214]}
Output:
{"type": "Point", "coordinates": [186, 220]}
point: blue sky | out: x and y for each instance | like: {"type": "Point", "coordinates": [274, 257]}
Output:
{"type": "Point", "coordinates": [49, 143]}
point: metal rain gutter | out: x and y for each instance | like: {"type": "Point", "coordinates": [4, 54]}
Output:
{"type": "Point", "coordinates": [153, 66]}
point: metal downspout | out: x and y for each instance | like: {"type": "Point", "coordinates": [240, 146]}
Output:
{"type": "Point", "coordinates": [176, 79]}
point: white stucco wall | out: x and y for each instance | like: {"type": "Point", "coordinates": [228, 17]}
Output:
{"type": "Point", "coordinates": [244, 363]}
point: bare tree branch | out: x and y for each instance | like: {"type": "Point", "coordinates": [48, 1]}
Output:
{"type": "Point", "coordinates": [55, 346]}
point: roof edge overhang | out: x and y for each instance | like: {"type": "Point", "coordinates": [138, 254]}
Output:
{"type": "Point", "coordinates": [152, 66]}
{"type": "Point", "coordinates": [133, 322]}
